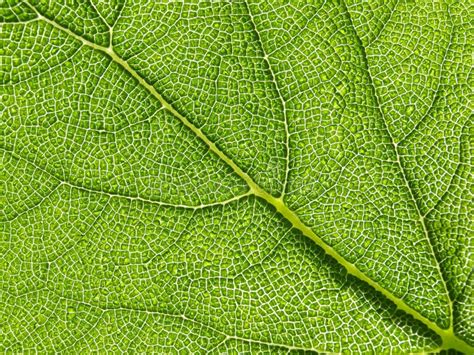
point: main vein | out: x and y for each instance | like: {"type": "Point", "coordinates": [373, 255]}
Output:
{"type": "Point", "coordinates": [447, 335]}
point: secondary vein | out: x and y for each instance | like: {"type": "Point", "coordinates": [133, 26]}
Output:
{"type": "Point", "coordinates": [401, 168]}
{"type": "Point", "coordinates": [280, 96]}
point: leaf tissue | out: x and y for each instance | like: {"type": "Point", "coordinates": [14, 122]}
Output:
{"type": "Point", "coordinates": [236, 176]}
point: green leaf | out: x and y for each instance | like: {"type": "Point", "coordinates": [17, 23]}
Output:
{"type": "Point", "coordinates": [236, 177]}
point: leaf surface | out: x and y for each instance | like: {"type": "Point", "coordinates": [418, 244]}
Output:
{"type": "Point", "coordinates": [236, 177]}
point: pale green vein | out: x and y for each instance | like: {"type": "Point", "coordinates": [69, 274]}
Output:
{"type": "Point", "coordinates": [104, 21]}
{"type": "Point", "coordinates": [280, 96]}
{"type": "Point", "coordinates": [63, 182]}
{"type": "Point", "coordinates": [455, 174]}
{"type": "Point", "coordinates": [377, 35]}
{"type": "Point", "coordinates": [401, 168]}
{"type": "Point", "coordinates": [36, 205]}
{"type": "Point", "coordinates": [450, 341]}
{"type": "Point", "coordinates": [438, 87]}
{"type": "Point", "coordinates": [184, 317]}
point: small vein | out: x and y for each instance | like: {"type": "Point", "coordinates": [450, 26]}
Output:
{"type": "Point", "coordinates": [99, 14]}
{"type": "Point", "coordinates": [128, 197]}
{"type": "Point", "coordinates": [67, 58]}
{"type": "Point", "coordinates": [36, 205]}
{"type": "Point", "coordinates": [104, 21]}
{"type": "Point", "coordinates": [159, 255]}
{"type": "Point", "coordinates": [183, 317]}
{"type": "Point", "coordinates": [421, 218]}
{"type": "Point", "coordinates": [280, 96]}
{"type": "Point", "coordinates": [119, 10]}
{"type": "Point", "coordinates": [78, 240]}
{"type": "Point", "coordinates": [436, 95]}
{"type": "Point", "coordinates": [455, 174]}
{"type": "Point", "coordinates": [376, 37]}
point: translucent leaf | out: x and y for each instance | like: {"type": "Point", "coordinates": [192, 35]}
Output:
{"type": "Point", "coordinates": [232, 177]}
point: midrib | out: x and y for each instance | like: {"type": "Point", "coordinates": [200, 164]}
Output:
{"type": "Point", "coordinates": [449, 339]}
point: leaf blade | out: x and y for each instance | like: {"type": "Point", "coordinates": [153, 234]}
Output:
{"type": "Point", "coordinates": [268, 196]}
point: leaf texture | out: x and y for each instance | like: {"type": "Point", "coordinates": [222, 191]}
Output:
{"type": "Point", "coordinates": [236, 177]}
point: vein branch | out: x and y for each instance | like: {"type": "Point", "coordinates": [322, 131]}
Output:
{"type": "Point", "coordinates": [63, 182]}
{"type": "Point", "coordinates": [402, 170]}
{"type": "Point", "coordinates": [104, 21]}
{"type": "Point", "coordinates": [437, 91]}
{"type": "Point", "coordinates": [183, 317]}
{"type": "Point", "coordinates": [280, 96]}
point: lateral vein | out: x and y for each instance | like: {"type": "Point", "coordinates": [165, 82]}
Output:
{"type": "Point", "coordinates": [401, 168]}
{"type": "Point", "coordinates": [280, 96]}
